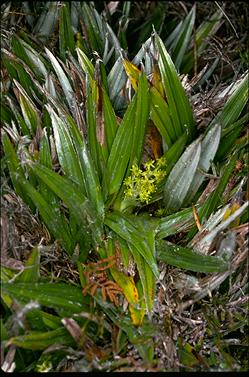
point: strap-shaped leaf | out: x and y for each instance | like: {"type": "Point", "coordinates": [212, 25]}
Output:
{"type": "Point", "coordinates": [140, 238]}
{"type": "Point", "coordinates": [66, 35]}
{"type": "Point", "coordinates": [37, 60]}
{"type": "Point", "coordinates": [91, 178]}
{"type": "Point", "coordinates": [235, 104]}
{"type": "Point", "coordinates": [31, 271]}
{"type": "Point", "coordinates": [180, 109]}
{"type": "Point", "coordinates": [91, 122]}
{"type": "Point", "coordinates": [181, 42]}
{"type": "Point", "coordinates": [160, 115]}
{"type": "Point", "coordinates": [140, 337]}
{"type": "Point", "coordinates": [175, 223]}
{"type": "Point", "coordinates": [209, 146]}
{"type": "Point", "coordinates": [66, 152]}
{"type": "Point", "coordinates": [30, 113]}
{"type": "Point", "coordinates": [129, 288]}
{"type": "Point", "coordinates": [16, 70]}
{"type": "Point", "coordinates": [120, 152]}
{"type": "Point", "coordinates": [95, 39]}
{"type": "Point", "coordinates": [127, 146]}
{"type": "Point", "coordinates": [116, 82]}
{"type": "Point", "coordinates": [184, 257]}
{"type": "Point", "coordinates": [111, 123]}
{"type": "Point", "coordinates": [206, 28]}
{"type": "Point", "coordinates": [15, 170]}
{"type": "Point", "coordinates": [47, 20]}
{"type": "Point", "coordinates": [50, 197]}
{"type": "Point", "coordinates": [59, 296]}
{"type": "Point", "coordinates": [147, 278]}
{"type": "Point", "coordinates": [72, 196]}
{"type": "Point", "coordinates": [66, 86]}
{"type": "Point", "coordinates": [85, 63]}
{"type": "Point", "coordinates": [39, 340]}
{"type": "Point", "coordinates": [50, 214]}
{"type": "Point", "coordinates": [229, 137]}
{"type": "Point", "coordinates": [181, 177]}
{"type": "Point", "coordinates": [19, 50]}
{"type": "Point", "coordinates": [140, 120]}
{"type": "Point", "coordinates": [214, 199]}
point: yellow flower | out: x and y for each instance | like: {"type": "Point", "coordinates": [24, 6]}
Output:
{"type": "Point", "coordinates": [141, 184]}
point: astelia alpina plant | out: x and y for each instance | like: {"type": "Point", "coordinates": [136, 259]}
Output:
{"type": "Point", "coordinates": [81, 149]}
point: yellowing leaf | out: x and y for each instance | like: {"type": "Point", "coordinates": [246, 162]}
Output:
{"type": "Point", "coordinates": [230, 211]}
{"type": "Point", "coordinates": [131, 294]}
{"type": "Point", "coordinates": [157, 80]}
{"type": "Point", "coordinates": [129, 289]}
{"type": "Point", "coordinates": [132, 72]}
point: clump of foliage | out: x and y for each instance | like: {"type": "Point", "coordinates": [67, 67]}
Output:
{"type": "Point", "coordinates": [108, 154]}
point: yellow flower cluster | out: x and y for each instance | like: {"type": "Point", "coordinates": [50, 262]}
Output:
{"type": "Point", "coordinates": [141, 184]}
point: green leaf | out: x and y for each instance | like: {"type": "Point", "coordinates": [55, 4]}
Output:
{"type": "Point", "coordinates": [126, 283]}
{"type": "Point", "coordinates": [116, 81]}
{"type": "Point", "coordinates": [96, 123]}
{"type": "Point", "coordinates": [147, 278]}
{"type": "Point", "coordinates": [132, 229]}
{"type": "Point", "coordinates": [66, 152]}
{"type": "Point", "coordinates": [15, 170]}
{"type": "Point", "coordinates": [85, 63]}
{"type": "Point", "coordinates": [235, 104]}
{"type": "Point", "coordinates": [64, 298]}
{"type": "Point", "coordinates": [47, 21]}
{"type": "Point", "coordinates": [50, 214]}
{"type": "Point", "coordinates": [52, 199]}
{"type": "Point", "coordinates": [72, 196]}
{"type": "Point", "coordinates": [180, 109]}
{"type": "Point", "coordinates": [29, 111]}
{"type": "Point", "coordinates": [140, 120]}
{"type": "Point", "coordinates": [140, 337]}
{"type": "Point", "coordinates": [171, 156]}
{"type": "Point", "coordinates": [111, 123]}
{"type": "Point", "coordinates": [229, 137]}
{"type": "Point", "coordinates": [50, 320]}
{"type": "Point", "coordinates": [45, 154]}
{"type": "Point", "coordinates": [91, 179]}
{"type": "Point", "coordinates": [181, 42]}
{"type": "Point", "coordinates": [120, 152]}
{"type": "Point", "coordinates": [66, 37]}
{"type": "Point", "coordinates": [128, 144]}
{"type": "Point", "coordinates": [206, 29]}
{"type": "Point", "coordinates": [66, 86]}
{"type": "Point", "coordinates": [19, 50]}
{"type": "Point", "coordinates": [31, 271]}
{"type": "Point", "coordinates": [3, 331]}
{"type": "Point", "coordinates": [209, 146]}
{"type": "Point", "coordinates": [37, 340]}
{"type": "Point", "coordinates": [160, 115]}
{"type": "Point", "coordinates": [214, 199]}
{"type": "Point", "coordinates": [175, 223]}
{"type": "Point", "coordinates": [94, 30]}
{"type": "Point", "coordinates": [35, 58]}
{"type": "Point", "coordinates": [181, 177]}
{"type": "Point", "coordinates": [17, 71]}
{"type": "Point", "coordinates": [184, 257]}
{"type": "Point", "coordinates": [19, 119]}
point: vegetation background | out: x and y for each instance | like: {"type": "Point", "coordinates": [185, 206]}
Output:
{"type": "Point", "coordinates": [124, 186]}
